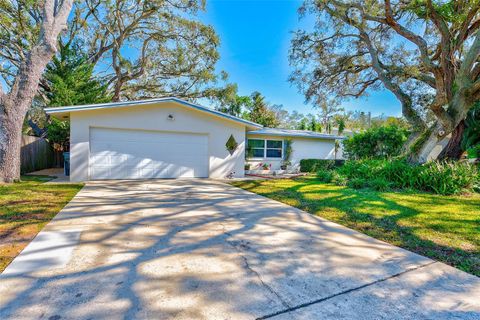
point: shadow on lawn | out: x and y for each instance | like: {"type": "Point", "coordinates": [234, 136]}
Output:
{"type": "Point", "coordinates": [359, 210]}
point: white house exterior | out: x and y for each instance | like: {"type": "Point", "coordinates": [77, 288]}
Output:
{"type": "Point", "coordinates": [172, 138]}
{"type": "Point", "coordinates": [304, 144]}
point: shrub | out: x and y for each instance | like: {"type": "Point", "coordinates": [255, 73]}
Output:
{"type": "Point", "coordinates": [438, 177]}
{"type": "Point", "coordinates": [474, 152]}
{"type": "Point", "coordinates": [447, 177]}
{"type": "Point", "coordinates": [313, 165]}
{"type": "Point", "coordinates": [364, 169]}
{"type": "Point", "coordinates": [325, 175]}
{"type": "Point", "coordinates": [357, 183]}
{"type": "Point", "coordinates": [339, 179]}
{"type": "Point", "coordinates": [380, 184]}
{"type": "Point", "coordinates": [376, 143]}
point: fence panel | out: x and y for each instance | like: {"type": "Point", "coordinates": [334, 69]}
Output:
{"type": "Point", "coordinates": [36, 154]}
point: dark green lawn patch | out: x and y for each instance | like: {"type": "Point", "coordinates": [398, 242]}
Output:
{"type": "Point", "coordinates": [444, 228]}
{"type": "Point", "coordinates": [25, 208]}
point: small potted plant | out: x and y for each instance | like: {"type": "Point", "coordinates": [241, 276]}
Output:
{"type": "Point", "coordinates": [247, 166]}
{"type": "Point", "coordinates": [266, 166]}
{"type": "Point", "coordinates": [285, 165]}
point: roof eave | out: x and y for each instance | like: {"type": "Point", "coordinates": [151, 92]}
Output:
{"type": "Point", "coordinates": [63, 112]}
{"type": "Point", "coordinates": [296, 135]}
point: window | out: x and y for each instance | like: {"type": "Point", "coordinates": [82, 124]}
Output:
{"type": "Point", "coordinates": [256, 148]}
{"type": "Point", "coordinates": [274, 148]}
{"type": "Point", "coordinates": [259, 148]}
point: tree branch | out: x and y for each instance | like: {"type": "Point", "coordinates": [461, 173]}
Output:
{"type": "Point", "coordinates": [409, 35]}
{"type": "Point", "coordinates": [471, 56]}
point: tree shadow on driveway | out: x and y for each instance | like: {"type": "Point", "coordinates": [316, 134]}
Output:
{"type": "Point", "coordinates": [198, 249]}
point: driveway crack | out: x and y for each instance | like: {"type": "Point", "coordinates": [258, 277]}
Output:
{"type": "Point", "coordinates": [238, 248]}
{"type": "Point", "coordinates": [307, 304]}
{"type": "Point", "coordinates": [264, 284]}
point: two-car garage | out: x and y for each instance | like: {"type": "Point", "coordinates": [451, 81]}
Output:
{"type": "Point", "coordinates": [135, 154]}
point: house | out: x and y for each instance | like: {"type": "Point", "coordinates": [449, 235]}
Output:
{"type": "Point", "coordinates": [173, 138]}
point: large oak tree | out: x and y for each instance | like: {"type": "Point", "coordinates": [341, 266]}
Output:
{"type": "Point", "coordinates": [425, 52]}
{"type": "Point", "coordinates": [28, 36]}
{"type": "Point", "coordinates": [149, 48]}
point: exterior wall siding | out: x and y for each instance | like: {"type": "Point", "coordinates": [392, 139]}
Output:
{"type": "Point", "coordinates": [302, 148]}
{"type": "Point", "coordinates": [156, 118]}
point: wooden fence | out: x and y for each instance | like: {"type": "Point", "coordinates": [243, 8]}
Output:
{"type": "Point", "coordinates": [37, 154]}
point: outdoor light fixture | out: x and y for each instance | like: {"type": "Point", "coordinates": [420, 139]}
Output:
{"type": "Point", "coordinates": [171, 117]}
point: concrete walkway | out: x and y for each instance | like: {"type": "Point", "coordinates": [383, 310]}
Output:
{"type": "Point", "coordinates": [199, 249]}
{"type": "Point", "coordinates": [57, 173]}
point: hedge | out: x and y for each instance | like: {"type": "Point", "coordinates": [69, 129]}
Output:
{"type": "Point", "coordinates": [313, 165]}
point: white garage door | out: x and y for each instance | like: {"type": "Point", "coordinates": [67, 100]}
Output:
{"type": "Point", "coordinates": [132, 154]}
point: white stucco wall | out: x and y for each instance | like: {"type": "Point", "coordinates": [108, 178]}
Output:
{"type": "Point", "coordinates": [302, 148]}
{"type": "Point", "coordinates": [155, 117]}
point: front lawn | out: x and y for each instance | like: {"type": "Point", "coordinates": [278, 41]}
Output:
{"type": "Point", "coordinates": [25, 208]}
{"type": "Point", "coordinates": [444, 228]}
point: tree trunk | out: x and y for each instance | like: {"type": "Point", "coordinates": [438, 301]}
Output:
{"type": "Point", "coordinates": [15, 103]}
{"type": "Point", "coordinates": [10, 144]}
{"type": "Point", "coordinates": [453, 148]}
{"type": "Point", "coordinates": [432, 146]}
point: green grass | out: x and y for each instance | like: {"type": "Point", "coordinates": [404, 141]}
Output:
{"type": "Point", "coordinates": [444, 228]}
{"type": "Point", "coordinates": [25, 208]}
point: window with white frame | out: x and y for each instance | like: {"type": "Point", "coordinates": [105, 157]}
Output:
{"type": "Point", "coordinates": [265, 148]}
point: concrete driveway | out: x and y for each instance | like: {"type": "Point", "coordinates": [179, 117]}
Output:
{"type": "Point", "coordinates": [199, 249]}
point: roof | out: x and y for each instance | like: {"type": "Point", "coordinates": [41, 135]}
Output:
{"type": "Point", "coordinates": [66, 110]}
{"type": "Point", "coordinates": [295, 133]}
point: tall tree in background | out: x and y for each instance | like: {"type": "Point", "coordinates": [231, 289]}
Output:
{"type": "Point", "coordinates": [327, 110]}
{"type": "Point", "coordinates": [425, 52]}
{"type": "Point", "coordinates": [142, 49]}
{"type": "Point", "coordinates": [28, 37]}
{"type": "Point", "coordinates": [227, 100]}
{"type": "Point", "coordinates": [260, 112]}
{"type": "Point", "coordinates": [149, 48]}
{"type": "Point", "coordinates": [313, 125]}
{"type": "Point", "coordinates": [69, 80]}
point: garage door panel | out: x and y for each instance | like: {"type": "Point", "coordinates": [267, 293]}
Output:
{"type": "Point", "coordinates": [128, 154]}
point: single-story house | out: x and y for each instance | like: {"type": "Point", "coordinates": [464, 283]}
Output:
{"type": "Point", "coordinates": [173, 138]}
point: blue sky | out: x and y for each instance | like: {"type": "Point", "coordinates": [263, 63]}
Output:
{"type": "Point", "coordinates": [255, 38]}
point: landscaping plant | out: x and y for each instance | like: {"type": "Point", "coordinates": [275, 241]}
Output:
{"type": "Point", "coordinates": [441, 177]}
{"type": "Point", "coordinates": [376, 143]}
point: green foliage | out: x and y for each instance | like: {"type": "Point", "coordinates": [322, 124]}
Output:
{"type": "Point", "coordinates": [230, 102]}
{"type": "Point", "coordinates": [474, 152]}
{"type": "Point", "coordinates": [324, 175]}
{"type": "Point", "coordinates": [376, 143]}
{"type": "Point", "coordinates": [447, 177]}
{"type": "Point", "coordinates": [438, 177]}
{"type": "Point", "coordinates": [71, 81]}
{"type": "Point", "coordinates": [58, 134]}
{"type": "Point", "coordinates": [380, 184]}
{"type": "Point", "coordinates": [445, 9]}
{"type": "Point", "coordinates": [313, 165]}
{"type": "Point", "coordinates": [260, 112]}
{"type": "Point", "coordinates": [338, 179]}
{"type": "Point", "coordinates": [287, 144]}
{"type": "Point", "coordinates": [314, 125]}
{"type": "Point", "coordinates": [302, 125]}
{"type": "Point", "coordinates": [152, 48]}
{"type": "Point", "coordinates": [357, 183]}
{"type": "Point", "coordinates": [471, 134]}
{"type": "Point", "coordinates": [415, 147]}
